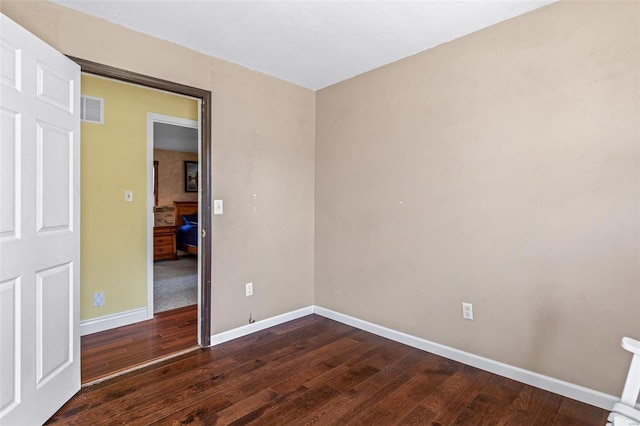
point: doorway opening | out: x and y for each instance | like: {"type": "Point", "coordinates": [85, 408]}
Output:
{"type": "Point", "coordinates": [201, 312]}
{"type": "Point", "coordinates": [172, 258]}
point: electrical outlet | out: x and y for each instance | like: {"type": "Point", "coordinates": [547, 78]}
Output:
{"type": "Point", "coordinates": [98, 299]}
{"type": "Point", "coordinates": [467, 311]}
{"type": "Point", "coordinates": [248, 287]}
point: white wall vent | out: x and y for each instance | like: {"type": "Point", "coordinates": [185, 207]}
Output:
{"type": "Point", "coordinates": [92, 109]}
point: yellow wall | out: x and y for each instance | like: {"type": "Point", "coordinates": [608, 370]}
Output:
{"type": "Point", "coordinates": [114, 159]}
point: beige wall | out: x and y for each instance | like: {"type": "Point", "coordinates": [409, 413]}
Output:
{"type": "Point", "coordinates": [499, 169]}
{"type": "Point", "coordinates": [263, 148]}
{"type": "Point", "coordinates": [171, 176]}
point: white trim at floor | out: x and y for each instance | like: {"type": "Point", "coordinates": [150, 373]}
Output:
{"type": "Point", "coordinates": [580, 393]}
{"type": "Point", "coordinates": [108, 322]}
{"type": "Point", "coordinates": [225, 336]}
{"type": "Point", "coordinates": [569, 390]}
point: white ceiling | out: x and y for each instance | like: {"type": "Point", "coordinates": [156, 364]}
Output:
{"type": "Point", "coordinates": [312, 43]}
{"type": "Point", "coordinates": [175, 138]}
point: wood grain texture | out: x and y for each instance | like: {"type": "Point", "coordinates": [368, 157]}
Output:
{"type": "Point", "coordinates": [109, 352]}
{"type": "Point", "coordinates": [317, 371]}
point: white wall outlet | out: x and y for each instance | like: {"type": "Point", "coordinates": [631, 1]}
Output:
{"type": "Point", "coordinates": [128, 196]}
{"type": "Point", "coordinates": [467, 311]}
{"type": "Point", "coordinates": [98, 299]}
{"type": "Point", "coordinates": [248, 288]}
{"type": "Point", "coordinates": [218, 207]}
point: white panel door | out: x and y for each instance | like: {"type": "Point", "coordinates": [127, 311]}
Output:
{"type": "Point", "coordinates": [39, 227]}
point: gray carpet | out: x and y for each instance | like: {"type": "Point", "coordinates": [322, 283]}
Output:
{"type": "Point", "coordinates": [175, 284]}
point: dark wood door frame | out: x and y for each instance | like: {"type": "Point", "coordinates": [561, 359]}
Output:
{"type": "Point", "coordinates": [204, 249]}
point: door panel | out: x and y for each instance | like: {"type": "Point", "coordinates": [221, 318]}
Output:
{"type": "Point", "coordinates": [10, 338]}
{"type": "Point", "coordinates": [10, 164]}
{"type": "Point", "coordinates": [10, 65]}
{"type": "Point", "coordinates": [54, 199]}
{"type": "Point", "coordinates": [54, 339]}
{"type": "Point", "coordinates": [39, 232]}
{"type": "Point", "coordinates": [54, 88]}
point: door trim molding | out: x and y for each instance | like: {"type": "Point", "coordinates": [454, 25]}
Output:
{"type": "Point", "coordinates": [153, 118]}
{"type": "Point", "coordinates": [204, 307]}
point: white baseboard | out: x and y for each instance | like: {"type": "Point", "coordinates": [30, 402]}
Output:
{"type": "Point", "coordinates": [216, 339]}
{"type": "Point", "coordinates": [570, 390]}
{"type": "Point", "coordinates": [560, 387]}
{"type": "Point", "coordinates": [108, 322]}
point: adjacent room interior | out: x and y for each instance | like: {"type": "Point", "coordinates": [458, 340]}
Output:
{"type": "Point", "coordinates": [136, 132]}
{"type": "Point", "coordinates": [175, 249]}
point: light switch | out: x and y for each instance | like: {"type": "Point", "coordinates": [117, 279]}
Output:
{"type": "Point", "coordinates": [217, 207]}
{"type": "Point", "coordinates": [128, 196]}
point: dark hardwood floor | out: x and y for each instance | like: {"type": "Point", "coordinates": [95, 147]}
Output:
{"type": "Point", "coordinates": [317, 371]}
{"type": "Point", "coordinates": [109, 352]}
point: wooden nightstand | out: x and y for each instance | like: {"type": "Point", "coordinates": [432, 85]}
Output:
{"type": "Point", "coordinates": [164, 243]}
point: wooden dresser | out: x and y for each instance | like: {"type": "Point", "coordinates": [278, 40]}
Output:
{"type": "Point", "coordinates": [164, 243]}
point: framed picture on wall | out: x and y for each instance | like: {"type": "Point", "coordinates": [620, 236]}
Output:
{"type": "Point", "coordinates": [190, 176]}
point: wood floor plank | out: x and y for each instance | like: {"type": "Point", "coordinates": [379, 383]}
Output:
{"type": "Point", "coordinates": [194, 415]}
{"type": "Point", "coordinates": [204, 410]}
{"type": "Point", "coordinates": [207, 388]}
{"type": "Point", "coordinates": [460, 402]}
{"type": "Point", "coordinates": [328, 368]}
{"type": "Point", "coordinates": [311, 371]}
{"type": "Point", "coordinates": [526, 407]}
{"type": "Point", "coordinates": [340, 406]}
{"type": "Point", "coordinates": [269, 407]}
{"type": "Point", "coordinates": [411, 363]}
{"type": "Point", "coordinates": [287, 413]}
{"type": "Point", "coordinates": [246, 406]}
{"type": "Point", "coordinates": [99, 396]}
{"type": "Point", "coordinates": [405, 398]}
{"type": "Point", "coordinates": [441, 396]}
{"type": "Point", "coordinates": [491, 403]}
{"type": "Point", "coordinates": [358, 410]}
{"type": "Point", "coordinates": [154, 397]}
{"type": "Point", "coordinates": [549, 410]}
{"type": "Point", "coordinates": [320, 372]}
{"type": "Point", "coordinates": [420, 415]}
{"type": "Point", "coordinates": [574, 412]}
{"type": "Point", "coordinates": [279, 372]}
{"type": "Point", "coordinates": [108, 352]}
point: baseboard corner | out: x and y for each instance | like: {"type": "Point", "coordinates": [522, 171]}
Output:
{"type": "Point", "coordinates": [244, 330]}
{"type": "Point", "coordinates": [570, 390]}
